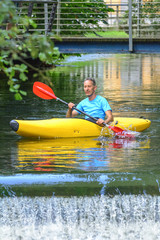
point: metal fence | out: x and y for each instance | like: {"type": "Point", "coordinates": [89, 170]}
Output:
{"type": "Point", "coordinates": [93, 18]}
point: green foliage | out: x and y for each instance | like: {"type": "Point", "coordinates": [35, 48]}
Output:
{"type": "Point", "coordinates": [148, 17]}
{"type": "Point", "coordinates": [150, 11]}
{"type": "Point", "coordinates": [16, 53]}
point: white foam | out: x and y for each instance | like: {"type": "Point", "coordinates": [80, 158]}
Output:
{"type": "Point", "coordinates": [78, 218]}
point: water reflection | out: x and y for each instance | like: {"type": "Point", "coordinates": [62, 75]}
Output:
{"type": "Point", "coordinates": [80, 154]}
{"type": "Point", "coordinates": [127, 81]}
{"type": "Point", "coordinates": [120, 70]}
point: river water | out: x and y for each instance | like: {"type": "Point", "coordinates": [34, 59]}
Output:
{"type": "Point", "coordinates": [84, 188]}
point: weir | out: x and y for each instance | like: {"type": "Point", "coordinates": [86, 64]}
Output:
{"type": "Point", "coordinates": [90, 184]}
{"type": "Point", "coordinates": [136, 217]}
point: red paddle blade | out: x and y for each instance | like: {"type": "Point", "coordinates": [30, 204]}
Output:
{"type": "Point", "coordinates": [43, 91]}
{"type": "Point", "coordinates": [121, 133]}
{"type": "Point", "coordinates": [116, 129]}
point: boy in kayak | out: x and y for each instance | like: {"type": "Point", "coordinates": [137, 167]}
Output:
{"type": "Point", "coordinates": [94, 105]}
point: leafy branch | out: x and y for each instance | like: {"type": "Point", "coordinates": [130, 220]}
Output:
{"type": "Point", "coordinates": [19, 49]}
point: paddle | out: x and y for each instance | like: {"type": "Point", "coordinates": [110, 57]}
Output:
{"type": "Point", "coordinates": [44, 91]}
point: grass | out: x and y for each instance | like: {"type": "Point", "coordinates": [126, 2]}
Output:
{"type": "Point", "coordinates": [108, 34]}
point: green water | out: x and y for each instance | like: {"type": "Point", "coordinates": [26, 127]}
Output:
{"type": "Point", "coordinates": [85, 171]}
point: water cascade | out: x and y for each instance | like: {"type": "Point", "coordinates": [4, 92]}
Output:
{"type": "Point", "coordinates": [97, 217]}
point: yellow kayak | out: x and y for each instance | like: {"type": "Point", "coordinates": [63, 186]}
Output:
{"type": "Point", "coordinates": [74, 127]}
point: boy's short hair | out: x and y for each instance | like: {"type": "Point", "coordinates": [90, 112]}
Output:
{"type": "Point", "coordinates": [91, 79]}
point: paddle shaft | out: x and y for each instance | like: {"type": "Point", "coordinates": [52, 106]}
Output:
{"type": "Point", "coordinates": [95, 119]}
{"type": "Point", "coordinates": [58, 99]}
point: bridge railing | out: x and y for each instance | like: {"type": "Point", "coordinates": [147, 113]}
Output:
{"type": "Point", "coordinates": [93, 18]}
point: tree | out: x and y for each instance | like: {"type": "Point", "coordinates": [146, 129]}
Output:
{"type": "Point", "coordinates": [17, 52]}
{"type": "Point", "coordinates": [145, 18]}
{"type": "Point", "coordinates": [77, 17]}
{"type": "Point", "coordinates": [150, 12]}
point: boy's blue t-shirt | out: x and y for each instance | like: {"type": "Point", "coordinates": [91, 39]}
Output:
{"type": "Point", "coordinates": [95, 108]}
